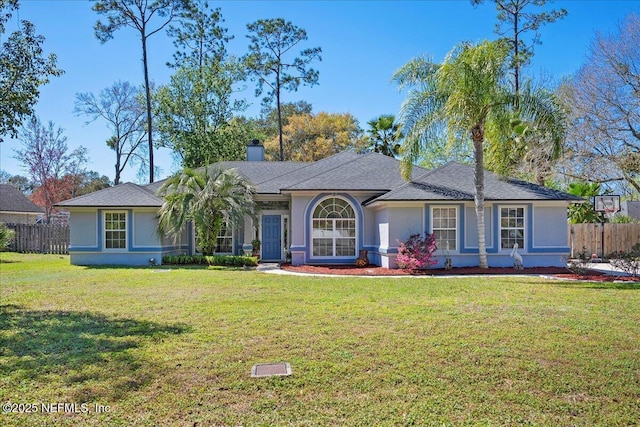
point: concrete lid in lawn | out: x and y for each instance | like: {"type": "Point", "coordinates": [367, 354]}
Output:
{"type": "Point", "coordinates": [281, 369]}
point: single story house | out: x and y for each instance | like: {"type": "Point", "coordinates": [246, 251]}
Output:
{"type": "Point", "coordinates": [16, 208]}
{"type": "Point", "coordinates": [326, 212]}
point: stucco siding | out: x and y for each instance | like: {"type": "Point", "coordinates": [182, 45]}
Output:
{"type": "Point", "coordinates": [403, 222]}
{"type": "Point", "coordinates": [118, 258]}
{"type": "Point", "coordinates": [83, 228]}
{"type": "Point", "coordinates": [370, 227]}
{"type": "Point", "coordinates": [550, 227]}
{"type": "Point", "coordinates": [298, 229]}
{"type": "Point", "coordinates": [145, 225]}
{"type": "Point", "coordinates": [395, 224]}
{"type": "Point", "coordinates": [504, 260]}
{"type": "Point", "coordinates": [471, 227]}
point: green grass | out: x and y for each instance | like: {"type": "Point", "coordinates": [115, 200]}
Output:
{"type": "Point", "coordinates": [177, 347]}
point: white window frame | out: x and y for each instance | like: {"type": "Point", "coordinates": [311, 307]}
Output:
{"type": "Point", "coordinates": [225, 226]}
{"type": "Point", "coordinates": [105, 231]}
{"type": "Point", "coordinates": [196, 249]}
{"type": "Point", "coordinates": [456, 229]}
{"type": "Point", "coordinates": [523, 228]}
{"type": "Point", "coordinates": [334, 238]}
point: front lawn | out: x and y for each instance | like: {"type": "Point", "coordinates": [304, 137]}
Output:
{"type": "Point", "coordinates": [175, 346]}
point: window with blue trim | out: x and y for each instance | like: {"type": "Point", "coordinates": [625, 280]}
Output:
{"type": "Point", "coordinates": [512, 228]}
{"type": "Point", "coordinates": [444, 227]}
{"type": "Point", "coordinates": [334, 229]}
{"type": "Point", "coordinates": [115, 230]}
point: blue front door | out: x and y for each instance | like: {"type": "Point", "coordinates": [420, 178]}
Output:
{"type": "Point", "coordinates": [271, 237]}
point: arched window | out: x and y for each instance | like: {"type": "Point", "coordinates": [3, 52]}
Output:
{"type": "Point", "coordinates": [334, 229]}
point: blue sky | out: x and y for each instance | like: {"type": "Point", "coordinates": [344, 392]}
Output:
{"type": "Point", "coordinates": [363, 43]}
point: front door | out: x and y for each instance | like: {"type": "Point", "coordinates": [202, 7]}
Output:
{"type": "Point", "coordinates": [271, 232]}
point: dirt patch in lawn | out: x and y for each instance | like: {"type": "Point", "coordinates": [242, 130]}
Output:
{"type": "Point", "coordinates": [349, 270]}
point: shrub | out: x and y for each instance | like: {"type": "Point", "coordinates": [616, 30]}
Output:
{"type": "Point", "coordinates": [629, 262]}
{"type": "Point", "coordinates": [6, 236]}
{"type": "Point", "coordinates": [416, 252]}
{"type": "Point", "coordinates": [221, 260]}
{"type": "Point", "coordinates": [579, 264]}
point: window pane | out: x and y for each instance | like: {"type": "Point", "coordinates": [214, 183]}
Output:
{"type": "Point", "coordinates": [322, 247]}
{"type": "Point", "coordinates": [115, 226]}
{"type": "Point", "coordinates": [444, 227]}
{"type": "Point", "coordinates": [224, 240]}
{"type": "Point", "coordinates": [334, 228]}
{"type": "Point", "coordinates": [345, 247]}
{"type": "Point", "coordinates": [512, 224]}
{"type": "Point", "coordinates": [322, 228]}
{"type": "Point", "coordinates": [224, 245]}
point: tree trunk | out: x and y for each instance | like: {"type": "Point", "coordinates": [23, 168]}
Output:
{"type": "Point", "coordinates": [477, 136]}
{"type": "Point", "coordinates": [279, 118]}
{"type": "Point", "coordinates": [516, 60]}
{"type": "Point", "coordinates": [147, 90]}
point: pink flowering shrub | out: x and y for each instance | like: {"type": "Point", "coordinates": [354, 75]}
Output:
{"type": "Point", "coordinates": [416, 252]}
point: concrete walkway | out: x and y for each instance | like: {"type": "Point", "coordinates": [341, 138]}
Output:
{"type": "Point", "coordinates": [606, 268]}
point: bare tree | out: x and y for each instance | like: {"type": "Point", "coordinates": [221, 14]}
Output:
{"type": "Point", "coordinates": [137, 14]}
{"type": "Point", "coordinates": [45, 157]}
{"type": "Point", "coordinates": [120, 106]}
{"type": "Point", "coordinates": [603, 101]}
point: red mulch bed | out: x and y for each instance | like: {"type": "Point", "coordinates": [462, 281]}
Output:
{"type": "Point", "coordinates": [556, 272]}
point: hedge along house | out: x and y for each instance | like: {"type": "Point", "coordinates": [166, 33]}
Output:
{"type": "Point", "coordinates": [326, 212]}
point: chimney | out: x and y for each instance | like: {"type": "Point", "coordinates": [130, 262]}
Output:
{"type": "Point", "coordinates": [255, 151]}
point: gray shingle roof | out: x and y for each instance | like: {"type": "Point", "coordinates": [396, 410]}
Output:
{"type": "Point", "coordinates": [268, 177]}
{"type": "Point", "coordinates": [454, 181]}
{"type": "Point", "coordinates": [350, 172]}
{"type": "Point", "coordinates": [345, 171]}
{"type": "Point", "coordinates": [123, 195]}
{"type": "Point", "coordinates": [12, 200]}
{"type": "Point", "coordinates": [259, 173]}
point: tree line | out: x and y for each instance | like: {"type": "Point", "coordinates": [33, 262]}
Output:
{"type": "Point", "coordinates": [584, 129]}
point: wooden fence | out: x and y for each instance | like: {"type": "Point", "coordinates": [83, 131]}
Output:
{"type": "Point", "coordinates": [617, 237]}
{"type": "Point", "coordinates": [40, 238]}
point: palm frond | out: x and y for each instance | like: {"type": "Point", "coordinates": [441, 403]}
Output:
{"type": "Point", "coordinates": [415, 73]}
{"type": "Point", "coordinates": [209, 197]}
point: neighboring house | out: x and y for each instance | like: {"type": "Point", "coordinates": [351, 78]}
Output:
{"type": "Point", "coordinates": [326, 212]}
{"type": "Point", "coordinates": [16, 208]}
{"type": "Point", "coordinates": [629, 209]}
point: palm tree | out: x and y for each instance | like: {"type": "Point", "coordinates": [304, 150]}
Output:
{"type": "Point", "coordinates": [385, 135]}
{"type": "Point", "coordinates": [580, 213]}
{"type": "Point", "coordinates": [210, 198]}
{"type": "Point", "coordinates": [468, 96]}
